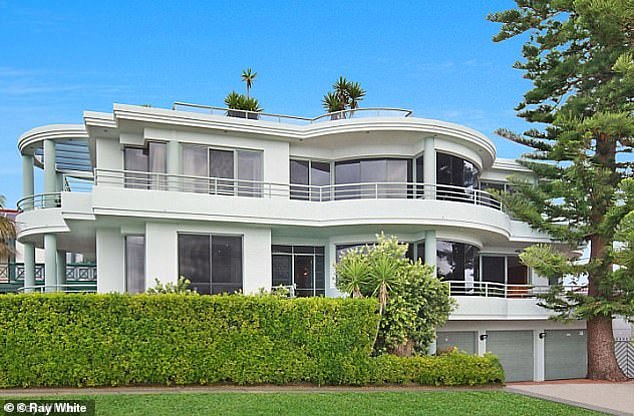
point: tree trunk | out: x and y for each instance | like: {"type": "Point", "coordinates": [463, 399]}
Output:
{"type": "Point", "coordinates": [406, 349]}
{"type": "Point", "coordinates": [602, 363]}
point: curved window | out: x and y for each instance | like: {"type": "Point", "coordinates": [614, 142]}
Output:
{"type": "Point", "coordinates": [455, 171]}
{"type": "Point", "coordinates": [372, 178]}
{"type": "Point", "coordinates": [457, 261]}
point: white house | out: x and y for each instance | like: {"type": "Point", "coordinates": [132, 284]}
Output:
{"type": "Point", "coordinates": [243, 201]}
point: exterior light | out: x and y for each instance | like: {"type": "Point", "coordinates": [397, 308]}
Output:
{"type": "Point", "coordinates": [542, 335]}
{"type": "Point", "coordinates": [483, 337]}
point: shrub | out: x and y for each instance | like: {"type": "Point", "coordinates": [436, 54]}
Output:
{"type": "Point", "coordinates": [97, 340]}
{"type": "Point", "coordinates": [413, 302]}
{"type": "Point", "coordinates": [115, 339]}
{"type": "Point", "coordinates": [451, 369]}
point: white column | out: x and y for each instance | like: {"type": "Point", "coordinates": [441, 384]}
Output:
{"type": "Point", "coordinates": [481, 343]}
{"type": "Point", "coordinates": [61, 268]}
{"type": "Point", "coordinates": [430, 248]}
{"type": "Point", "coordinates": [110, 260]}
{"type": "Point", "coordinates": [28, 189]}
{"type": "Point", "coordinates": [429, 167]}
{"type": "Point", "coordinates": [50, 176]}
{"type": "Point", "coordinates": [539, 369]}
{"type": "Point", "coordinates": [50, 261]}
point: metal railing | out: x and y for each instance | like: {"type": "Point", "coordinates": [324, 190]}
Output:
{"type": "Point", "coordinates": [260, 189]}
{"type": "Point", "coordinates": [288, 119]}
{"type": "Point", "coordinates": [74, 184]}
{"type": "Point", "coordinates": [40, 201]}
{"type": "Point", "coordinates": [66, 288]}
{"type": "Point", "coordinates": [75, 272]}
{"type": "Point", "coordinates": [501, 290]}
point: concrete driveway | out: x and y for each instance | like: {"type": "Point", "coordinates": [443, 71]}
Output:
{"type": "Point", "coordinates": [612, 398]}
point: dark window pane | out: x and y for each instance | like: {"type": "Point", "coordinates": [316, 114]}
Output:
{"type": "Point", "coordinates": [419, 170]}
{"type": "Point", "coordinates": [457, 261]}
{"type": "Point", "coordinates": [304, 278]}
{"type": "Point", "coordinates": [347, 173]}
{"type": "Point", "coordinates": [135, 263]}
{"type": "Point", "coordinates": [193, 261]}
{"type": "Point", "coordinates": [420, 251]}
{"type": "Point", "coordinates": [493, 269]}
{"type": "Point", "coordinates": [299, 177]}
{"type": "Point", "coordinates": [320, 273]}
{"type": "Point", "coordinates": [517, 272]}
{"type": "Point", "coordinates": [282, 249]}
{"type": "Point", "coordinates": [319, 250]}
{"type": "Point", "coordinates": [226, 264]}
{"type": "Point", "coordinates": [282, 270]}
{"type": "Point", "coordinates": [319, 180]}
{"type": "Point", "coordinates": [304, 249]}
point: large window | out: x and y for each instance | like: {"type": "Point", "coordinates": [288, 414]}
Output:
{"type": "Point", "coordinates": [455, 171]}
{"type": "Point", "coordinates": [151, 160]}
{"type": "Point", "coordinates": [372, 178]}
{"type": "Point", "coordinates": [309, 179]}
{"type": "Point", "coordinates": [302, 267]}
{"type": "Point", "coordinates": [135, 263]}
{"type": "Point", "coordinates": [506, 270]}
{"type": "Point", "coordinates": [212, 263]}
{"type": "Point", "coordinates": [457, 261]}
{"type": "Point", "coordinates": [230, 172]}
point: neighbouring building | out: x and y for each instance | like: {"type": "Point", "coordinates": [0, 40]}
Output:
{"type": "Point", "coordinates": [243, 201]}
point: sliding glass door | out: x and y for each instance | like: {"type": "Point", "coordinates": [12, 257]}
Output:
{"type": "Point", "coordinates": [222, 171]}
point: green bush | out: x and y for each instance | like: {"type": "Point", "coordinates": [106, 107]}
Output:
{"type": "Point", "coordinates": [451, 369]}
{"type": "Point", "coordinates": [110, 340]}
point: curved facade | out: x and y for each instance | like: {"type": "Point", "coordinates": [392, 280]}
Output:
{"type": "Point", "coordinates": [255, 201]}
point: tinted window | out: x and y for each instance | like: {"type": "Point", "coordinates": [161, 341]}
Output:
{"type": "Point", "coordinates": [517, 272]}
{"type": "Point", "coordinates": [194, 261]}
{"type": "Point", "coordinates": [226, 264]}
{"type": "Point", "coordinates": [457, 261]}
{"type": "Point", "coordinates": [135, 263]}
{"type": "Point", "coordinates": [493, 269]}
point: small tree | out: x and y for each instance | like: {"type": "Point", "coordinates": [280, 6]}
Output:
{"type": "Point", "coordinates": [345, 95]}
{"type": "Point", "coordinates": [7, 233]}
{"type": "Point", "coordinates": [412, 301]}
{"type": "Point", "coordinates": [248, 76]}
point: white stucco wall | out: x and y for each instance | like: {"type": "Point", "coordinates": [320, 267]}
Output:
{"type": "Point", "coordinates": [110, 260]}
{"type": "Point", "coordinates": [161, 242]}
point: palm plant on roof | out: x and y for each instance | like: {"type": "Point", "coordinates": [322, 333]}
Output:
{"type": "Point", "coordinates": [248, 76]}
{"type": "Point", "coordinates": [345, 95]}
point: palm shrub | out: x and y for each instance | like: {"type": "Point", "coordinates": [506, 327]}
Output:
{"type": "Point", "coordinates": [236, 101]}
{"type": "Point", "coordinates": [412, 301]}
{"type": "Point", "coordinates": [345, 95]}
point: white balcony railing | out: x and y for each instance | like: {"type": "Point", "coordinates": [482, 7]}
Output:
{"type": "Point", "coordinates": [501, 290]}
{"type": "Point", "coordinates": [260, 189]}
{"type": "Point", "coordinates": [40, 201]}
{"type": "Point", "coordinates": [281, 118]}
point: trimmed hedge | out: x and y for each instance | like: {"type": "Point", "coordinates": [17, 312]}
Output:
{"type": "Point", "coordinates": [110, 340]}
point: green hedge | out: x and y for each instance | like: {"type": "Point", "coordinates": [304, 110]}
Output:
{"type": "Point", "coordinates": [109, 340]}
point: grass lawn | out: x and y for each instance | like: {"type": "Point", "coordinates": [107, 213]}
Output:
{"type": "Point", "coordinates": [328, 403]}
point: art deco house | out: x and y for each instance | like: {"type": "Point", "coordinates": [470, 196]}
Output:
{"type": "Point", "coordinates": [243, 201]}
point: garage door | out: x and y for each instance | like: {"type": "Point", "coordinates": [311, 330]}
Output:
{"type": "Point", "coordinates": [565, 354]}
{"type": "Point", "coordinates": [464, 341]}
{"type": "Point", "coordinates": [515, 351]}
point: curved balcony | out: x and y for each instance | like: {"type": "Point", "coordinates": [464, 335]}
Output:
{"type": "Point", "coordinates": [40, 201]}
{"type": "Point", "coordinates": [325, 193]}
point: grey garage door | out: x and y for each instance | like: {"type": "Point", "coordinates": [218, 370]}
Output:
{"type": "Point", "coordinates": [515, 351]}
{"type": "Point", "coordinates": [565, 354]}
{"type": "Point", "coordinates": [464, 341]}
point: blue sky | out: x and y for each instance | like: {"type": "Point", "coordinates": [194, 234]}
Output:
{"type": "Point", "coordinates": [60, 58]}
